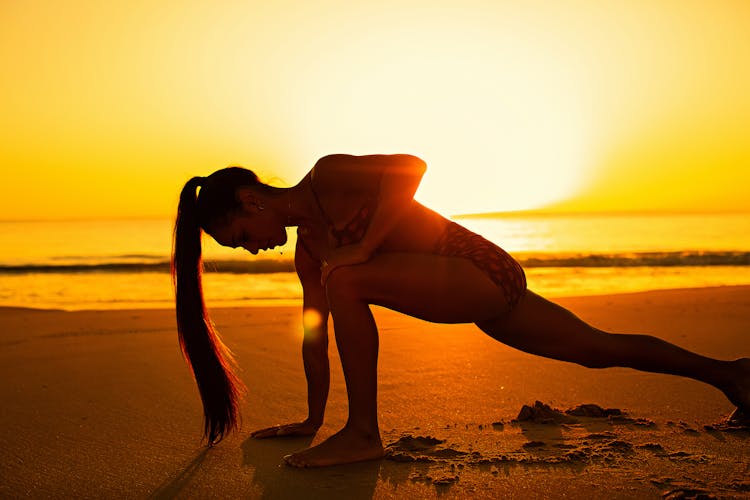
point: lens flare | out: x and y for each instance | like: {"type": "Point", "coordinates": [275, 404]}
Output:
{"type": "Point", "coordinates": [311, 321]}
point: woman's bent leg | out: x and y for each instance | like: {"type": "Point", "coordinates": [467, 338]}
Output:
{"type": "Point", "coordinates": [430, 287]}
{"type": "Point", "coordinates": [357, 343]}
{"type": "Point", "coordinates": [540, 327]}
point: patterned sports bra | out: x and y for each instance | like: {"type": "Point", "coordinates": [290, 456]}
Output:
{"type": "Point", "coordinates": [354, 230]}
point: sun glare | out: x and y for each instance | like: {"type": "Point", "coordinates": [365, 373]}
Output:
{"type": "Point", "coordinates": [495, 134]}
{"type": "Point", "coordinates": [513, 105]}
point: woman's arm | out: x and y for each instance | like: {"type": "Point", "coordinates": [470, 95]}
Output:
{"type": "Point", "coordinates": [314, 350]}
{"type": "Point", "coordinates": [399, 176]}
{"type": "Point", "coordinates": [315, 341]}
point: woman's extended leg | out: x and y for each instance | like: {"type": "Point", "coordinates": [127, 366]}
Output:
{"type": "Point", "coordinates": [541, 327]}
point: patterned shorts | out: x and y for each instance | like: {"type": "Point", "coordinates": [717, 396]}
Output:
{"type": "Point", "coordinates": [497, 264]}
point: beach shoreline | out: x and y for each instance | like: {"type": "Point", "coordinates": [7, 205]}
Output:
{"type": "Point", "coordinates": [99, 403]}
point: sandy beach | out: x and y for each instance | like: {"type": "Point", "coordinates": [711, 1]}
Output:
{"type": "Point", "coordinates": [100, 404]}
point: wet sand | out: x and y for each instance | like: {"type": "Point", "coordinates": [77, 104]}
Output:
{"type": "Point", "coordinates": [100, 404]}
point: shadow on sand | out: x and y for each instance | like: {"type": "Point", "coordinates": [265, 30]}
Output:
{"type": "Point", "coordinates": [174, 486]}
{"type": "Point", "coordinates": [278, 480]}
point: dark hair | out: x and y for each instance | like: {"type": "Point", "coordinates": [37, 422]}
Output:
{"type": "Point", "coordinates": [208, 358]}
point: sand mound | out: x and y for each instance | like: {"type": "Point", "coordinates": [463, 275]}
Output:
{"type": "Point", "coordinates": [593, 411]}
{"type": "Point", "coordinates": [410, 448]}
{"type": "Point", "coordinates": [542, 413]}
{"type": "Point", "coordinates": [408, 442]}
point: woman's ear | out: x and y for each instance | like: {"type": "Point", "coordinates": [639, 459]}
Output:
{"type": "Point", "coordinates": [248, 198]}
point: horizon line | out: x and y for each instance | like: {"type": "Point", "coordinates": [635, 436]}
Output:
{"type": "Point", "coordinates": [472, 215]}
{"type": "Point", "coordinates": [611, 212]}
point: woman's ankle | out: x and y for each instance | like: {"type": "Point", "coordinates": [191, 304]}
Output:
{"type": "Point", "coordinates": [366, 431]}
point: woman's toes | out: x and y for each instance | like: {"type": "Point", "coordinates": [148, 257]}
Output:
{"type": "Point", "coordinates": [294, 460]}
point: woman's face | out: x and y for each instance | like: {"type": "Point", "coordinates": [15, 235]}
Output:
{"type": "Point", "coordinates": [252, 230]}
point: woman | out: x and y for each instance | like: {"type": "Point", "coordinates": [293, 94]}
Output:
{"type": "Point", "coordinates": [363, 240]}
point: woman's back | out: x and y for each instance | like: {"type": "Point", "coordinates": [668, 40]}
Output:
{"type": "Point", "coordinates": [346, 202]}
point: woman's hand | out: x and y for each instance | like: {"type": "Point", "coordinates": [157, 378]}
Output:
{"type": "Point", "coordinates": [347, 255]}
{"type": "Point", "coordinates": [305, 428]}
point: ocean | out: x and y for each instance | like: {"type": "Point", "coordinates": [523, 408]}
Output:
{"type": "Point", "coordinates": [121, 264]}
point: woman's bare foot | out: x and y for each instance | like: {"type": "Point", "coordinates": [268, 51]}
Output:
{"type": "Point", "coordinates": [738, 391]}
{"type": "Point", "coordinates": [346, 446]}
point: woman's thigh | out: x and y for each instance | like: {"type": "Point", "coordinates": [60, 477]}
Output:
{"type": "Point", "coordinates": [430, 287]}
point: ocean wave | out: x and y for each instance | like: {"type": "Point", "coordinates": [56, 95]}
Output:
{"type": "Point", "coordinates": [638, 259]}
{"type": "Point", "coordinates": [220, 266]}
{"type": "Point", "coordinates": [264, 266]}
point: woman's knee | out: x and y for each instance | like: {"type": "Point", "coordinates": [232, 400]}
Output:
{"type": "Point", "coordinates": [345, 283]}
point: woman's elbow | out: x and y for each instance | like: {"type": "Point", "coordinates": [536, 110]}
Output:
{"type": "Point", "coordinates": [414, 164]}
{"type": "Point", "coordinates": [420, 165]}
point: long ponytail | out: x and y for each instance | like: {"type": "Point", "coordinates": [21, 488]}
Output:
{"type": "Point", "coordinates": [208, 358]}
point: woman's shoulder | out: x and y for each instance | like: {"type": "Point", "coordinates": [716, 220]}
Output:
{"type": "Point", "coordinates": [345, 163]}
{"type": "Point", "coordinates": [371, 161]}
{"type": "Point", "coordinates": [346, 172]}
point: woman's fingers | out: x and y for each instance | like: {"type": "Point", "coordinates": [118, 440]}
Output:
{"type": "Point", "coordinates": [263, 433]}
{"type": "Point", "coordinates": [325, 272]}
{"type": "Point", "coordinates": [276, 430]}
{"type": "Point", "coordinates": [347, 255]}
{"type": "Point", "coordinates": [285, 430]}
{"type": "Point", "coordinates": [280, 430]}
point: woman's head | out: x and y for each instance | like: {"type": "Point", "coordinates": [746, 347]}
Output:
{"type": "Point", "coordinates": [231, 207]}
{"type": "Point", "coordinates": [217, 200]}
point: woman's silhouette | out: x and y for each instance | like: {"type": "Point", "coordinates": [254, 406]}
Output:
{"type": "Point", "coordinates": [363, 240]}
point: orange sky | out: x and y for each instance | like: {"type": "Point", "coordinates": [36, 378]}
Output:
{"type": "Point", "coordinates": [108, 107]}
